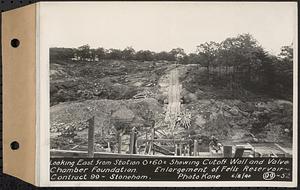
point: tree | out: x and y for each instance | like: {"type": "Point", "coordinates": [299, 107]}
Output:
{"type": "Point", "coordinates": [244, 55]}
{"type": "Point", "coordinates": [100, 53]}
{"type": "Point", "coordinates": [193, 58]}
{"type": "Point", "coordinates": [93, 54]}
{"type": "Point", "coordinates": [83, 52]}
{"type": "Point", "coordinates": [164, 56]}
{"type": "Point", "coordinates": [144, 55]}
{"type": "Point", "coordinates": [286, 54]}
{"type": "Point", "coordinates": [178, 54]}
{"type": "Point", "coordinates": [208, 51]}
{"type": "Point", "coordinates": [61, 53]}
{"type": "Point", "coordinates": [128, 53]}
{"type": "Point", "coordinates": [283, 70]}
{"type": "Point", "coordinates": [114, 54]}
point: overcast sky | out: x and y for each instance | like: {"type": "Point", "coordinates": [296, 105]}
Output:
{"type": "Point", "coordinates": [163, 26]}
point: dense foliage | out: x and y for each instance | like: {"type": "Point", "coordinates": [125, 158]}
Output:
{"type": "Point", "coordinates": [236, 63]}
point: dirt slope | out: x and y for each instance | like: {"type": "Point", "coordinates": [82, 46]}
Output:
{"type": "Point", "coordinates": [152, 92]}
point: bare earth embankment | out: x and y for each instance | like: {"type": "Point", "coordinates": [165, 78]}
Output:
{"type": "Point", "coordinates": [142, 94]}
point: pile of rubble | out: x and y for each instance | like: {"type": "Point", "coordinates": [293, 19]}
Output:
{"type": "Point", "coordinates": [237, 120]}
{"type": "Point", "coordinates": [68, 130]}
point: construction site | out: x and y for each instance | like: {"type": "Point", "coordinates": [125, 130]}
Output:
{"type": "Point", "coordinates": [161, 118]}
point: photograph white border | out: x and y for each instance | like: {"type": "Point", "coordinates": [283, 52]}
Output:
{"type": "Point", "coordinates": [43, 117]}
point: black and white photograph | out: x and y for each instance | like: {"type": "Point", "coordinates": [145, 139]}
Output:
{"type": "Point", "coordinates": [151, 94]}
{"type": "Point", "coordinates": [173, 80]}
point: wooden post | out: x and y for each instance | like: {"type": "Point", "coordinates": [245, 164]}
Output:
{"type": "Point", "coordinates": [108, 147]}
{"type": "Point", "coordinates": [188, 150]}
{"type": "Point", "coordinates": [119, 142]}
{"type": "Point", "coordinates": [135, 141]}
{"type": "Point", "coordinates": [190, 147]}
{"type": "Point", "coordinates": [150, 148]}
{"type": "Point", "coordinates": [91, 137]}
{"type": "Point", "coordinates": [195, 148]}
{"type": "Point", "coordinates": [180, 149]}
{"type": "Point", "coordinates": [146, 148]}
{"type": "Point", "coordinates": [139, 149]}
{"type": "Point", "coordinates": [175, 152]}
{"type": "Point", "coordinates": [152, 140]}
{"type": "Point", "coordinates": [132, 142]}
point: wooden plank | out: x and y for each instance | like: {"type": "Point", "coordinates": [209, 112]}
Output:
{"type": "Point", "coordinates": [91, 137]}
{"type": "Point", "coordinates": [162, 150]}
{"type": "Point", "coordinates": [81, 154]}
{"type": "Point", "coordinates": [272, 153]}
{"type": "Point", "coordinates": [281, 148]}
{"type": "Point", "coordinates": [162, 140]}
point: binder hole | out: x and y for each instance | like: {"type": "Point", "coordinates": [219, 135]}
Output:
{"type": "Point", "coordinates": [14, 145]}
{"type": "Point", "coordinates": [15, 43]}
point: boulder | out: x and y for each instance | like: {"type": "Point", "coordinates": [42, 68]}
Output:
{"type": "Point", "coordinates": [234, 111]}
{"type": "Point", "coordinates": [123, 114]}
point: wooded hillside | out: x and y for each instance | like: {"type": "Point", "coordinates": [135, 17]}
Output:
{"type": "Point", "coordinates": [238, 63]}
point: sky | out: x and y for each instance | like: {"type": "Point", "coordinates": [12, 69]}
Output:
{"type": "Point", "coordinates": [162, 26]}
